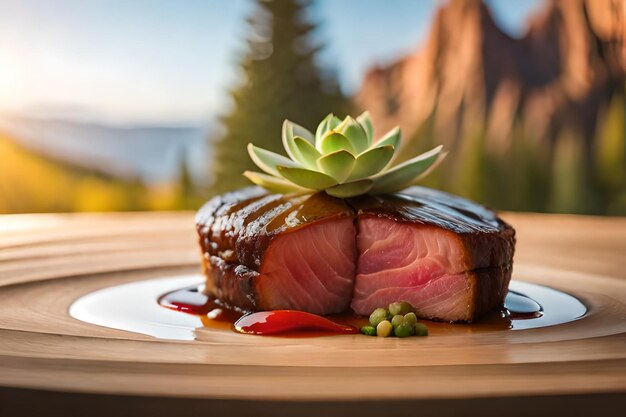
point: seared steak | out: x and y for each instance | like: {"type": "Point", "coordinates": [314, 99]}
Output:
{"type": "Point", "coordinates": [450, 258]}
{"type": "Point", "coordinates": [266, 252]}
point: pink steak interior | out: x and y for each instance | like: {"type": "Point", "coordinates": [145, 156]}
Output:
{"type": "Point", "coordinates": [326, 268]}
{"type": "Point", "coordinates": [424, 265]}
{"type": "Point", "coordinates": [311, 268]}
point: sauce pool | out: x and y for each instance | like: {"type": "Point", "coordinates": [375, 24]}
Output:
{"type": "Point", "coordinates": [279, 322]}
{"type": "Point", "coordinates": [301, 324]}
{"type": "Point", "coordinates": [193, 301]}
{"type": "Point", "coordinates": [191, 315]}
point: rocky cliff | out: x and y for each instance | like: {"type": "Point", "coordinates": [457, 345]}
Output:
{"type": "Point", "coordinates": [469, 74]}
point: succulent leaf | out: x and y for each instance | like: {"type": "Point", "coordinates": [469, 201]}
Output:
{"type": "Point", "coordinates": [341, 159]}
{"type": "Point", "coordinates": [288, 144]}
{"type": "Point", "coordinates": [355, 133]}
{"type": "Point", "coordinates": [291, 129]}
{"type": "Point", "coordinates": [274, 184]}
{"type": "Point", "coordinates": [267, 160]}
{"type": "Point", "coordinates": [393, 138]}
{"type": "Point", "coordinates": [334, 122]}
{"type": "Point", "coordinates": [323, 127]}
{"type": "Point", "coordinates": [365, 121]}
{"type": "Point", "coordinates": [371, 162]}
{"type": "Point", "coordinates": [307, 178]}
{"type": "Point", "coordinates": [337, 164]}
{"type": "Point", "coordinates": [406, 173]}
{"type": "Point", "coordinates": [306, 152]}
{"type": "Point", "coordinates": [297, 130]}
{"type": "Point", "coordinates": [333, 142]}
{"type": "Point", "coordinates": [350, 189]}
{"type": "Point", "coordinates": [329, 123]}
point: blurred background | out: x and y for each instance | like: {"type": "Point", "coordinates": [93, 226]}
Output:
{"type": "Point", "coordinates": [148, 105]}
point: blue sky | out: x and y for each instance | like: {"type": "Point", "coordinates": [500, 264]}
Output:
{"type": "Point", "coordinates": [151, 61]}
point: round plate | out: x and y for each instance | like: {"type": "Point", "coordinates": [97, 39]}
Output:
{"type": "Point", "coordinates": [133, 307]}
{"type": "Point", "coordinates": [47, 262]}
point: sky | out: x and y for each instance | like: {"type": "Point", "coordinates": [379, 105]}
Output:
{"type": "Point", "coordinates": [169, 62]}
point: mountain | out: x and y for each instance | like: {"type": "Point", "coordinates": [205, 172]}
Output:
{"type": "Point", "coordinates": [469, 74]}
{"type": "Point", "coordinates": [151, 154]}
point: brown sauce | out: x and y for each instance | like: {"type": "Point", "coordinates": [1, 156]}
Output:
{"type": "Point", "coordinates": [190, 314]}
{"type": "Point", "coordinates": [192, 300]}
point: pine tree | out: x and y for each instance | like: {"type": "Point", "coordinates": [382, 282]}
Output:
{"type": "Point", "coordinates": [184, 176]}
{"type": "Point", "coordinates": [473, 172]}
{"type": "Point", "coordinates": [572, 186]}
{"type": "Point", "coordinates": [280, 81]}
{"type": "Point", "coordinates": [421, 141]}
{"type": "Point", "coordinates": [185, 188]}
{"type": "Point", "coordinates": [610, 153]}
{"type": "Point", "coordinates": [524, 170]}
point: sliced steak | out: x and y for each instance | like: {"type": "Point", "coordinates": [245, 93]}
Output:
{"type": "Point", "coordinates": [448, 257]}
{"type": "Point", "coordinates": [268, 252]}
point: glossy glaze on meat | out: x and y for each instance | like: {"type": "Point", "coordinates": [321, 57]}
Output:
{"type": "Point", "coordinates": [449, 257]}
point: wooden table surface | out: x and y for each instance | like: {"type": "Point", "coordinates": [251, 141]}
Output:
{"type": "Point", "coordinates": [51, 362]}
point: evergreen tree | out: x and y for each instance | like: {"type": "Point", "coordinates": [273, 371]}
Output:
{"type": "Point", "coordinates": [185, 181]}
{"type": "Point", "coordinates": [473, 172]}
{"type": "Point", "coordinates": [186, 194]}
{"type": "Point", "coordinates": [610, 156]}
{"type": "Point", "coordinates": [423, 140]}
{"type": "Point", "coordinates": [572, 186]}
{"type": "Point", "coordinates": [280, 81]}
{"type": "Point", "coordinates": [524, 170]}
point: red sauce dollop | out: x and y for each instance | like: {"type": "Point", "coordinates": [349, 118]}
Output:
{"type": "Point", "coordinates": [278, 322]}
{"type": "Point", "coordinates": [287, 321]}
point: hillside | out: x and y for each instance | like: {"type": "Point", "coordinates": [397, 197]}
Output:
{"type": "Point", "coordinates": [150, 153]}
{"type": "Point", "coordinates": [30, 182]}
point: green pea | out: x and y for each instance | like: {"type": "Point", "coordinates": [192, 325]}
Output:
{"type": "Point", "coordinates": [404, 330]}
{"type": "Point", "coordinates": [421, 330]}
{"type": "Point", "coordinates": [379, 315]}
{"type": "Point", "coordinates": [384, 328]}
{"type": "Point", "coordinates": [397, 320]}
{"type": "Point", "coordinates": [410, 318]}
{"type": "Point", "coordinates": [400, 307]}
{"type": "Point", "coordinates": [368, 330]}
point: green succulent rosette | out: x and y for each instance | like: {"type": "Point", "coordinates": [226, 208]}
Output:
{"type": "Point", "coordinates": [341, 158]}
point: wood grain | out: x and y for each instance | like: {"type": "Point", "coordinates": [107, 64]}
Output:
{"type": "Point", "coordinates": [48, 261]}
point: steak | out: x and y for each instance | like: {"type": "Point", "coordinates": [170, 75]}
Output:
{"type": "Point", "coordinates": [450, 258]}
{"type": "Point", "coordinates": [269, 252]}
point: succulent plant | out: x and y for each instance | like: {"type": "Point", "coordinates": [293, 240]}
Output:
{"type": "Point", "coordinates": [341, 158]}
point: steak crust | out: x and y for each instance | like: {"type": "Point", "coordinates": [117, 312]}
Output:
{"type": "Point", "coordinates": [236, 229]}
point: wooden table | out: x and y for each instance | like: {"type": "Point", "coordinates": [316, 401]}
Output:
{"type": "Point", "coordinates": [52, 363]}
